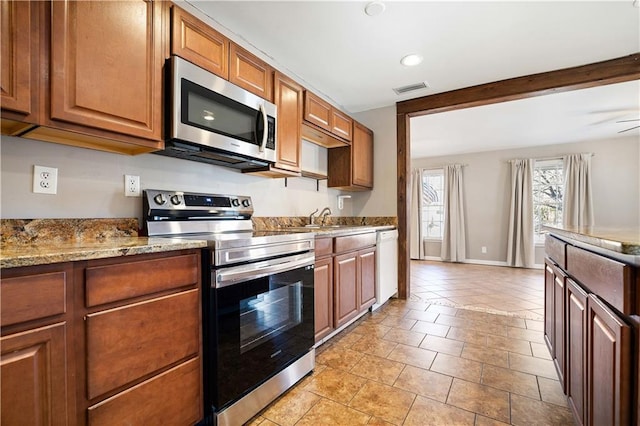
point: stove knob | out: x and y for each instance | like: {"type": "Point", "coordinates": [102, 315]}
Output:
{"type": "Point", "coordinates": [246, 203]}
{"type": "Point", "coordinates": [160, 199]}
{"type": "Point", "coordinates": [235, 202]}
{"type": "Point", "coordinates": [175, 200]}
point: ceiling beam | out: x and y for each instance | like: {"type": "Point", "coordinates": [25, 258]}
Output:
{"type": "Point", "coordinates": [602, 73]}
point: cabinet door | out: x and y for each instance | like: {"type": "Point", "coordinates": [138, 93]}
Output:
{"type": "Point", "coordinates": [197, 42]}
{"type": "Point", "coordinates": [609, 368]}
{"type": "Point", "coordinates": [34, 377]}
{"type": "Point", "coordinates": [106, 66]}
{"type": "Point", "coordinates": [576, 332]}
{"type": "Point", "coordinates": [341, 125]}
{"type": "Point", "coordinates": [345, 288]}
{"type": "Point", "coordinates": [17, 40]}
{"type": "Point", "coordinates": [323, 297]}
{"type": "Point", "coordinates": [317, 111]}
{"type": "Point", "coordinates": [367, 277]}
{"type": "Point", "coordinates": [250, 73]}
{"type": "Point", "coordinates": [362, 156]}
{"type": "Point", "coordinates": [288, 99]}
{"type": "Point", "coordinates": [549, 327]}
{"type": "Point", "coordinates": [559, 323]}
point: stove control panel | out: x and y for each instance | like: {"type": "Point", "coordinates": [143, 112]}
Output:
{"type": "Point", "coordinates": [161, 205]}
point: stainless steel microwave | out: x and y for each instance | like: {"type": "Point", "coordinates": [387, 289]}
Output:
{"type": "Point", "coordinates": [214, 121]}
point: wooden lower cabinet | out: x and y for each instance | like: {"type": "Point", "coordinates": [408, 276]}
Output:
{"type": "Point", "coordinates": [323, 297]}
{"type": "Point", "coordinates": [576, 332]}
{"type": "Point", "coordinates": [346, 305]}
{"type": "Point", "coordinates": [34, 377]}
{"type": "Point", "coordinates": [555, 316]}
{"type": "Point", "coordinates": [367, 278]}
{"type": "Point", "coordinates": [609, 368]}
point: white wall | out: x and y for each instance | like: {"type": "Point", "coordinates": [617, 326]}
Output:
{"type": "Point", "coordinates": [616, 189]}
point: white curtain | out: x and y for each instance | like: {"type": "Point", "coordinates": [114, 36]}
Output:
{"type": "Point", "coordinates": [416, 245]}
{"type": "Point", "coordinates": [453, 241]}
{"type": "Point", "coordinates": [577, 202]}
{"type": "Point", "coordinates": [520, 250]}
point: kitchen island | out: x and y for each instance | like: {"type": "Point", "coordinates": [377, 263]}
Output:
{"type": "Point", "coordinates": [592, 322]}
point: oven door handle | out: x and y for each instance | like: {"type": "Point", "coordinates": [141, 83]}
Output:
{"type": "Point", "coordinates": [228, 276]}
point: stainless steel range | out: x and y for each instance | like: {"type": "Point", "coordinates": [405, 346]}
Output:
{"type": "Point", "coordinates": [258, 328]}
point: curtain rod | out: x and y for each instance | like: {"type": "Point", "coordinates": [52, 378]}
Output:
{"type": "Point", "coordinates": [440, 167]}
{"type": "Point", "coordinates": [555, 157]}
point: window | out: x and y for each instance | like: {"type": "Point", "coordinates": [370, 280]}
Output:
{"type": "Point", "coordinates": [548, 179]}
{"type": "Point", "coordinates": [432, 204]}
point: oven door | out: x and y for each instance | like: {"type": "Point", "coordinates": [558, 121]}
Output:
{"type": "Point", "coordinates": [262, 315]}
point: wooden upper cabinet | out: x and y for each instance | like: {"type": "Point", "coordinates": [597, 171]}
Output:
{"type": "Point", "coordinates": [198, 43]}
{"type": "Point", "coordinates": [106, 66]}
{"type": "Point", "coordinates": [250, 73]}
{"type": "Point", "coordinates": [341, 125]}
{"type": "Point", "coordinates": [288, 98]}
{"type": "Point", "coordinates": [317, 111]}
{"type": "Point", "coordinates": [351, 167]}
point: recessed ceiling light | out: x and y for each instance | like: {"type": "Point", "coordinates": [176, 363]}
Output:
{"type": "Point", "coordinates": [411, 60]}
{"type": "Point", "coordinates": [374, 8]}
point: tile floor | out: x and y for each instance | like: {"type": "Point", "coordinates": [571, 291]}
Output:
{"type": "Point", "coordinates": [467, 349]}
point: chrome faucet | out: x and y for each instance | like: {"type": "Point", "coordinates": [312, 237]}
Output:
{"type": "Point", "coordinates": [311, 217]}
{"type": "Point", "coordinates": [324, 213]}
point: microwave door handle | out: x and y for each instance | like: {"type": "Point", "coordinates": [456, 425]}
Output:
{"type": "Point", "coordinates": [265, 128]}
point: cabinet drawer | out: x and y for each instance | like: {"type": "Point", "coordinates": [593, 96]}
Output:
{"type": "Point", "coordinates": [342, 125]}
{"type": "Point", "coordinates": [323, 247]}
{"type": "Point", "coordinates": [354, 242]}
{"type": "Point", "coordinates": [126, 343]}
{"type": "Point", "coordinates": [175, 395]}
{"type": "Point", "coordinates": [32, 296]}
{"type": "Point", "coordinates": [556, 250]}
{"type": "Point", "coordinates": [122, 281]}
{"type": "Point", "coordinates": [607, 278]}
{"type": "Point", "coordinates": [317, 111]}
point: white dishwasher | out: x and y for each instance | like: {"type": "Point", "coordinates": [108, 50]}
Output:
{"type": "Point", "coordinates": [386, 266]}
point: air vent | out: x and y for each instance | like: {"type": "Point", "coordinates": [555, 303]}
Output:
{"type": "Point", "coordinates": [410, 88]}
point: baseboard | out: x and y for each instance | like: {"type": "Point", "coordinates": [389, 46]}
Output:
{"type": "Point", "coordinates": [480, 262]}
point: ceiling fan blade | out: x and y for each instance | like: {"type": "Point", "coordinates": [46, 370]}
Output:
{"type": "Point", "coordinates": [626, 121]}
{"type": "Point", "coordinates": [630, 128]}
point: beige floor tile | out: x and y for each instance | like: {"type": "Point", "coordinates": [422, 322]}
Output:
{"type": "Point", "coordinates": [374, 346]}
{"type": "Point", "coordinates": [426, 411]}
{"type": "Point", "coordinates": [337, 385]}
{"type": "Point", "coordinates": [431, 328]}
{"type": "Point", "coordinates": [370, 329]}
{"type": "Point", "coordinates": [511, 381]}
{"type": "Point", "coordinates": [424, 382]}
{"type": "Point", "coordinates": [487, 355]}
{"type": "Point", "coordinates": [443, 345]}
{"type": "Point", "coordinates": [540, 350]}
{"type": "Point", "coordinates": [531, 365]}
{"type": "Point", "coordinates": [528, 412]}
{"type": "Point", "coordinates": [339, 357]}
{"type": "Point", "coordinates": [551, 391]}
{"type": "Point", "coordinates": [406, 337]}
{"type": "Point", "coordinates": [398, 322]}
{"type": "Point", "coordinates": [375, 421]}
{"type": "Point", "coordinates": [536, 336]}
{"type": "Point", "coordinates": [328, 412]}
{"type": "Point", "coordinates": [346, 340]}
{"type": "Point", "coordinates": [484, 400]}
{"type": "Point", "coordinates": [422, 315]}
{"type": "Point", "coordinates": [457, 367]}
{"type": "Point", "coordinates": [486, 421]}
{"type": "Point", "coordinates": [411, 355]}
{"type": "Point", "coordinates": [385, 402]}
{"type": "Point", "coordinates": [511, 345]}
{"type": "Point", "coordinates": [442, 309]}
{"type": "Point", "coordinates": [290, 408]}
{"type": "Point", "coordinates": [535, 325]}
{"type": "Point", "coordinates": [380, 369]}
{"type": "Point", "coordinates": [471, 336]}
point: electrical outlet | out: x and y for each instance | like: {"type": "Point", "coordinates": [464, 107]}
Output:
{"type": "Point", "coordinates": [131, 186]}
{"type": "Point", "coordinates": [45, 180]}
{"type": "Point", "coordinates": [484, 249]}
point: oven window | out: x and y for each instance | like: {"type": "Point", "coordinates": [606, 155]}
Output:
{"type": "Point", "coordinates": [269, 314]}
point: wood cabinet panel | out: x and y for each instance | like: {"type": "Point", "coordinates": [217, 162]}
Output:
{"type": "Point", "coordinates": [126, 343]}
{"type": "Point", "coordinates": [555, 250]}
{"type": "Point", "coordinates": [367, 278]}
{"type": "Point", "coordinates": [549, 311]}
{"type": "Point", "coordinates": [609, 279]}
{"type": "Point", "coordinates": [198, 43]}
{"type": "Point", "coordinates": [323, 247]}
{"type": "Point", "coordinates": [289, 100]}
{"type": "Point", "coordinates": [345, 283]}
{"type": "Point", "coordinates": [250, 73]}
{"type": "Point", "coordinates": [33, 296]}
{"type": "Point", "coordinates": [362, 152]}
{"type": "Point", "coordinates": [341, 125]}
{"type": "Point", "coordinates": [323, 297]}
{"type": "Point", "coordinates": [106, 66]}
{"type": "Point", "coordinates": [559, 280]}
{"type": "Point", "coordinates": [18, 40]}
{"type": "Point", "coordinates": [608, 366]}
{"type": "Point", "coordinates": [174, 395]}
{"type": "Point", "coordinates": [125, 280]}
{"type": "Point", "coordinates": [34, 377]}
{"type": "Point", "coordinates": [317, 111]}
{"type": "Point", "coordinates": [354, 242]}
{"type": "Point", "coordinates": [576, 332]}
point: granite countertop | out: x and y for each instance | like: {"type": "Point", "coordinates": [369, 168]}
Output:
{"type": "Point", "coordinates": [620, 240]}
